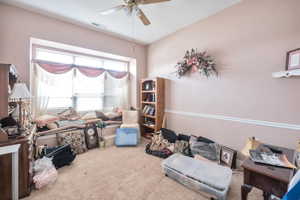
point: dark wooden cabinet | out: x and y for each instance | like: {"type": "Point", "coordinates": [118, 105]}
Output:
{"type": "Point", "coordinates": [8, 76]}
{"type": "Point", "coordinates": [26, 156]}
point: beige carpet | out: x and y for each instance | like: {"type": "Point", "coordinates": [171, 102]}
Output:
{"type": "Point", "coordinates": [122, 174]}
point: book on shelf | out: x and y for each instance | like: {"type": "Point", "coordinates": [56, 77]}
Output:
{"type": "Point", "coordinates": [150, 98]}
{"type": "Point", "coordinates": [269, 158]}
{"type": "Point", "coordinates": [149, 110]}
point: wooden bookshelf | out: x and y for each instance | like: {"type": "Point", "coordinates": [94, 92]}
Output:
{"type": "Point", "coordinates": [152, 97]}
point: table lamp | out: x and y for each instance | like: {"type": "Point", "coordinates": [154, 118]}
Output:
{"type": "Point", "coordinates": [19, 94]}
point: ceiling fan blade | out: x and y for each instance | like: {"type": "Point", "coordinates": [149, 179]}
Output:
{"type": "Point", "coordinates": [112, 10]}
{"type": "Point", "coordinates": [143, 17]}
{"type": "Point", "coordinates": [150, 1]}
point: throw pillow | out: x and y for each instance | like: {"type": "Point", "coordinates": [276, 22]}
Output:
{"type": "Point", "coordinates": [113, 115]}
{"type": "Point", "coordinates": [75, 138]}
{"type": "Point", "coordinates": [53, 125]}
{"type": "Point", "coordinates": [69, 114]}
{"type": "Point", "coordinates": [89, 116]}
{"type": "Point", "coordinates": [210, 151]}
{"type": "Point", "coordinates": [101, 115]}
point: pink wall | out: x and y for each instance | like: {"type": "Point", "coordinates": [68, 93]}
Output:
{"type": "Point", "coordinates": [249, 42]}
{"type": "Point", "coordinates": [18, 25]}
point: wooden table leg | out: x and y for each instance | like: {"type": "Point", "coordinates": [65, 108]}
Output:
{"type": "Point", "coordinates": [266, 196]}
{"type": "Point", "coordinates": [245, 189]}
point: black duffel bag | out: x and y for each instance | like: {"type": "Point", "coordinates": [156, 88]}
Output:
{"type": "Point", "coordinates": [61, 155]}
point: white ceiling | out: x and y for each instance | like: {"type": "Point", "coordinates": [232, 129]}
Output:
{"type": "Point", "coordinates": [166, 18]}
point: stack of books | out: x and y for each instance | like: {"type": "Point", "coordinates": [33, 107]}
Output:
{"type": "Point", "coordinates": [149, 110]}
{"type": "Point", "coordinates": [150, 98]}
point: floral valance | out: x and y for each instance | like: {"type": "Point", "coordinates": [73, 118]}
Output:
{"type": "Point", "coordinates": [59, 68]}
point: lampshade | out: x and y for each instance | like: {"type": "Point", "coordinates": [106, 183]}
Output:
{"type": "Point", "coordinates": [20, 91]}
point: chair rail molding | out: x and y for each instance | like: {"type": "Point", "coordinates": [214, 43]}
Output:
{"type": "Point", "coordinates": [236, 119]}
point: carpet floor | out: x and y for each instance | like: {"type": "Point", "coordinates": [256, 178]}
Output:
{"type": "Point", "coordinates": [123, 174]}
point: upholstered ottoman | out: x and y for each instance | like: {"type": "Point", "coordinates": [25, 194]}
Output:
{"type": "Point", "coordinates": [199, 175]}
{"type": "Point", "coordinates": [126, 137]}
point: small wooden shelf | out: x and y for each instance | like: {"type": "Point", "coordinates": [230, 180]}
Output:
{"type": "Point", "coordinates": [148, 91]}
{"type": "Point", "coordinates": [152, 96]}
{"type": "Point", "coordinates": [150, 116]}
{"type": "Point", "coordinates": [286, 74]}
{"type": "Point", "coordinates": [148, 126]}
{"type": "Point", "coordinates": [148, 102]}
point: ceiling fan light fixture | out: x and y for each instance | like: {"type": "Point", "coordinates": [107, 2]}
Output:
{"type": "Point", "coordinates": [131, 8]}
{"type": "Point", "coordinates": [95, 24]}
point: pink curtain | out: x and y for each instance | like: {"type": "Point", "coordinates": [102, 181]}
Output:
{"type": "Point", "coordinates": [117, 74]}
{"type": "Point", "coordinates": [90, 72]}
{"type": "Point", "coordinates": [54, 68]}
{"type": "Point", "coordinates": [58, 68]}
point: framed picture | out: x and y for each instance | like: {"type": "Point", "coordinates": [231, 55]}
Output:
{"type": "Point", "coordinates": [228, 157]}
{"type": "Point", "coordinates": [293, 59]}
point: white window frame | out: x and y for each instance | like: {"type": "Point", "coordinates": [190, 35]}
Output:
{"type": "Point", "coordinates": [75, 96]}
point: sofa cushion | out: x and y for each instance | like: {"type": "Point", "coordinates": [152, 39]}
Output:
{"type": "Point", "coordinates": [75, 138]}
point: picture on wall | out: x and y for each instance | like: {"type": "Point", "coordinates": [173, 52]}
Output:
{"type": "Point", "coordinates": [293, 59]}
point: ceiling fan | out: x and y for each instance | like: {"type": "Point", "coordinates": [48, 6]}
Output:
{"type": "Point", "coordinates": [132, 6]}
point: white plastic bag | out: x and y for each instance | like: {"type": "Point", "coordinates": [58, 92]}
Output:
{"type": "Point", "coordinates": [45, 172]}
{"type": "Point", "coordinates": [42, 164]}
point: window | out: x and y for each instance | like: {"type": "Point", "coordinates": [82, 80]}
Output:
{"type": "Point", "coordinates": [89, 62]}
{"type": "Point", "coordinates": [89, 92]}
{"type": "Point", "coordinates": [74, 89]}
{"type": "Point", "coordinates": [53, 57]}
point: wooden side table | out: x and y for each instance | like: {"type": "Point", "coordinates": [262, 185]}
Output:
{"type": "Point", "coordinates": [269, 179]}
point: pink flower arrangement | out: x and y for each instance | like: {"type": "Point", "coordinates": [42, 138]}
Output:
{"type": "Point", "coordinates": [196, 62]}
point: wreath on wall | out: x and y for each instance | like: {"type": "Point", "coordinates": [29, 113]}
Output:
{"type": "Point", "coordinates": [196, 62]}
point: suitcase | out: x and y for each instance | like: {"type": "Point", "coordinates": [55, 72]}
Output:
{"type": "Point", "coordinates": [61, 155]}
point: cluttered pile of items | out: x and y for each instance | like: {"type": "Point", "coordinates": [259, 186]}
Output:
{"type": "Point", "coordinates": [51, 159]}
{"type": "Point", "coordinates": [270, 155]}
{"type": "Point", "coordinates": [194, 161]}
{"type": "Point", "coordinates": [166, 142]}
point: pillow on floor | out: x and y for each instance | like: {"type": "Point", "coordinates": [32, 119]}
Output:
{"type": "Point", "coordinates": [209, 151]}
{"type": "Point", "coordinates": [75, 138]}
